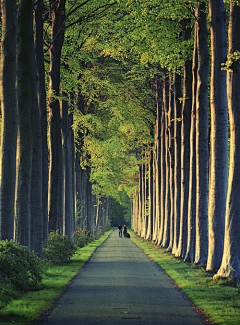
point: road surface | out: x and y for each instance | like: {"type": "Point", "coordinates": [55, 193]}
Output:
{"type": "Point", "coordinates": [121, 285]}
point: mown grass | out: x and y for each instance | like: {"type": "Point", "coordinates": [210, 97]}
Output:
{"type": "Point", "coordinates": [219, 299]}
{"type": "Point", "coordinates": [25, 308]}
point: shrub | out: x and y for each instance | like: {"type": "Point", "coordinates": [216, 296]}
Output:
{"type": "Point", "coordinates": [58, 249]}
{"type": "Point", "coordinates": [20, 268]}
{"type": "Point", "coordinates": [82, 237]}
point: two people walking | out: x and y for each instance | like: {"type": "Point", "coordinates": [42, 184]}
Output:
{"type": "Point", "coordinates": [125, 234]}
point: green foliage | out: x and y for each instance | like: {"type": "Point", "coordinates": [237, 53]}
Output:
{"type": "Point", "coordinates": [84, 237]}
{"type": "Point", "coordinates": [121, 211]}
{"type": "Point", "coordinates": [20, 268]}
{"type": "Point", "coordinates": [232, 62]}
{"type": "Point", "coordinates": [58, 249]}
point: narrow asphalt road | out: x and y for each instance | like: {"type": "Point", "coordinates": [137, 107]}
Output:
{"type": "Point", "coordinates": [121, 285]}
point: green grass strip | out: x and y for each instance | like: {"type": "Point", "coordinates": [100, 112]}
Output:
{"type": "Point", "coordinates": [219, 299]}
{"type": "Point", "coordinates": [28, 307]}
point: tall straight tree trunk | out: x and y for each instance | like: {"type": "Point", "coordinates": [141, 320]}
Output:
{"type": "Point", "coordinates": [9, 118]}
{"type": "Point", "coordinates": [66, 170]}
{"type": "Point", "coordinates": [185, 145]}
{"type": "Point", "coordinates": [162, 167]}
{"type": "Point", "coordinates": [231, 255]}
{"type": "Point", "coordinates": [143, 201]}
{"type": "Point", "coordinates": [55, 200]}
{"type": "Point", "coordinates": [171, 161]}
{"type": "Point", "coordinates": [157, 162]}
{"type": "Point", "coordinates": [177, 159]}
{"type": "Point", "coordinates": [43, 110]}
{"type": "Point", "coordinates": [219, 135]}
{"type": "Point", "coordinates": [36, 227]}
{"type": "Point", "coordinates": [166, 229]}
{"type": "Point", "coordinates": [150, 197]}
{"type": "Point", "coordinates": [24, 143]}
{"type": "Point", "coordinates": [146, 199]}
{"type": "Point", "coordinates": [202, 181]}
{"type": "Point", "coordinates": [72, 177]}
{"type": "Point", "coordinates": [140, 201]}
{"type": "Point", "coordinates": [191, 238]}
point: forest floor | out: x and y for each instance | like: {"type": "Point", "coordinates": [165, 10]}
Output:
{"type": "Point", "coordinates": [121, 285]}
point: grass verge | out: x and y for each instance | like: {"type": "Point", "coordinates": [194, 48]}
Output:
{"type": "Point", "coordinates": [219, 299]}
{"type": "Point", "coordinates": [25, 308]}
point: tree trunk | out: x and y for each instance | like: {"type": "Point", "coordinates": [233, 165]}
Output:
{"type": "Point", "coordinates": [150, 197]}
{"type": "Point", "coordinates": [143, 202]}
{"type": "Point", "coordinates": [185, 145]}
{"type": "Point", "coordinates": [36, 228]}
{"type": "Point", "coordinates": [177, 159]}
{"type": "Point", "coordinates": [72, 177]}
{"type": "Point", "coordinates": [230, 265]}
{"type": "Point", "coordinates": [43, 110]}
{"type": "Point", "coordinates": [166, 229]}
{"type": "Point", "coordinates": [140, 201]}
{"type": "Point", "coordinates": [191, 238]}
{"type": "Point", "coordinates": [219, 135]}
{"type": "Point", "coordinates": [24, 143]}
{"type": "Point", "coordinates": [55, 169]}
{"type": "Point", "coordinates": [162, 167]}
{"type": "Point", "coordinates": [202, 181]}
{"type": "Point", "coordinates": [171, 162]}
{"type": "Point", "coordinates": [66, 170]}
{"type": "Point", "coordinates": [157, 162]}
{"type": "Point", "coordinates": [9, 119]}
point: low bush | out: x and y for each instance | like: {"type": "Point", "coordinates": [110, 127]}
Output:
{"type": "Point", "coordinates": [20, 268]}
{"type": "Point", "coordinates": [84, 237]}
{"type": "Point", "coordinates": [58, 249]}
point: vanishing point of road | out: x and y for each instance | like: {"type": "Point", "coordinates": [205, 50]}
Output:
{"type": "Point", "coordinates": [120, 285]}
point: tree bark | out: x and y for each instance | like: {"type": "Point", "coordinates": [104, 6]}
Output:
{"type": "Point", "coordinates": [162, 167]}
{"type": "Point", "coordinates": [24, 143]}
{"type": "Point", "coordinates": [9, 118]}
{"type": "Point", "coordinates": [55, 200]}
{"type": "Point", "coordinates": [191, 241]}
{"type": "Point", "coordinates": [157, 155]}
{"type": "Point", "coordinates": [219, 135]}
{"type": "Point", "coordinates": [166, 229]}
{"type": "Point", "coordinates": [66, 170]}
{"type": "Point", "coordinates": [177, 159]}
{"type": "Point", "coordinates": [150, 197]}
{"type": "Point", "coordinates": [202, 181]}
{"type": "Point", "coordinates": [43, 110]}
{"type": "Point", "coordinates": [171, 161]}
{"type": "Point", "coordinates": [230, 265]}
{"type": "Point", "coordinates": [36, 228]}
{"type": "Point", "coordinates": [185, 145]}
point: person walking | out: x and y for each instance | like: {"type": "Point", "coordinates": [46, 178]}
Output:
{"type": "Point", "coordinates": [120, 231]}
